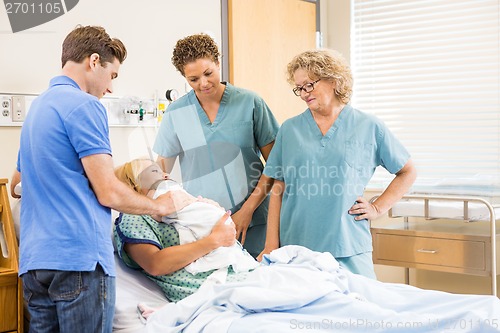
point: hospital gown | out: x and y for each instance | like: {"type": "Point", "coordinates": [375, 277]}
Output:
{"type": "Point", "coordinates": [143, 229]}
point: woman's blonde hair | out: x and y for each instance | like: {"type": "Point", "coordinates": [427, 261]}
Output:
{"type": "Point", "coordinates": [129, 173]}
{"type": "Point", "coordinates": [325, 65]}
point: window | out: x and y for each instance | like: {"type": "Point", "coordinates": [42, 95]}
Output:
{"type": "Point", "coordinates": [430, 69]}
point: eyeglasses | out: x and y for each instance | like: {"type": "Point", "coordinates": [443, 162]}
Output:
{"type": "Point", "coordinates": [308, 87]}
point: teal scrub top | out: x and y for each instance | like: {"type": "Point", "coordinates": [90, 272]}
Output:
{"type": "Point", "coordinates": [324, 175]}
{"type": "Point", "coordinates": [219, 160]}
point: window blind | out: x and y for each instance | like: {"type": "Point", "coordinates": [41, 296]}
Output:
{"type": "Point", "coordinates": [430, 69]}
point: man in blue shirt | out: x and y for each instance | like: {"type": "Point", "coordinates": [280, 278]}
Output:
{"type": "Point", "coordinates": [68, 188]}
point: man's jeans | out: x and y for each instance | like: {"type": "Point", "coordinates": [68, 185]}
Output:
{"type": "Point", "coordinates": [70, 302]}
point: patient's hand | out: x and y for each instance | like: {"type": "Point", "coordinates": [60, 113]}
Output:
{"type": "Point", "coordinates": [174, 201]}
{"type": "Point", "coordinates": [224, 233]}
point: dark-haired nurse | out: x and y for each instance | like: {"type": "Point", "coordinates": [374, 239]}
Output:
{"type": "Point", "coordinates": [219, 132]}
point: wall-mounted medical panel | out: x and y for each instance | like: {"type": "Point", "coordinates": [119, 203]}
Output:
{"type": "Point", "coordinates": [124, 111]}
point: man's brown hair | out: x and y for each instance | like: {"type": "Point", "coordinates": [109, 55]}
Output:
{"type": "Point", "coordinates": [83, 41]}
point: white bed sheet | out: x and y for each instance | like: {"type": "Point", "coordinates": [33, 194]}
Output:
{"type": "Point", "coordinates": [132, 288]}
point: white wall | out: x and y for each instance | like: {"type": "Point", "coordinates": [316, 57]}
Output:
{"type": "Point", "coordinates": [336, 25]}
{"type": "Point", "coordinates": [149, 30]}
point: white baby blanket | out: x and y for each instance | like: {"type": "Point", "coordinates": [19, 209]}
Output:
{"type": "Point", "coordinates": [195, 222]}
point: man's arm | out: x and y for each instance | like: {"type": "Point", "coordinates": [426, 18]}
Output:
{"type": "Point", "coordinates": [113, 193]}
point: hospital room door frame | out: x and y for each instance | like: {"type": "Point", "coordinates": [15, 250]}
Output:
{"type": "Point", "coordinates": [259, 38]}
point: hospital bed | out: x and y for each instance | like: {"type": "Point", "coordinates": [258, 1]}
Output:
{"type": "Point", "coordinates": [132, 288]}
{"type": "Point", "coordinates": [233, 314]}
{"type": "Point", "coordinates": [440, 232]}
{"type": "Point", "coordinates": [297, 301]}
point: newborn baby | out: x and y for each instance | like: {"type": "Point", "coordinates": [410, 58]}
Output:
{"type": "Point", "coordinates": [193, 222]}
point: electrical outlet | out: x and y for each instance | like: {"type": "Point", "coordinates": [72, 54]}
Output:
{"type": "Point", "coordinates": [6, 109]}
{"type": "Point", "coordinates": [18, 108]}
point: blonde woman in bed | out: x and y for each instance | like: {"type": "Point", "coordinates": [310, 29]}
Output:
{"type": "Point", "coordinates": [184, 251]}
{"type": "Point", "coordinates": [194, 222]}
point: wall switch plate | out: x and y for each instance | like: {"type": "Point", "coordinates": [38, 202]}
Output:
{"type": "Point", "coordinates": [18, 108]}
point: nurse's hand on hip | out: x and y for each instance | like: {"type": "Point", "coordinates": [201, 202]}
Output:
{"type": "Point", "coordinates": [364, 210]}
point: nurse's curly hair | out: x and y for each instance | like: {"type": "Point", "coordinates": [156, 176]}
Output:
{"type": "Point", "coordinates": [192, 48]}
{"type": "Point", "coordinates": [325, 65]}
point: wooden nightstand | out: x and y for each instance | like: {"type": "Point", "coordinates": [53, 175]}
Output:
{"type": "Point", "coordinates": [11, 297]}
{"type": "Point", "coordinates": [439, 244]}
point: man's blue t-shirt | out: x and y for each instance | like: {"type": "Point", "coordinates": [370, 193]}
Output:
{"type": "Point", "coordinates": [63, 226]}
